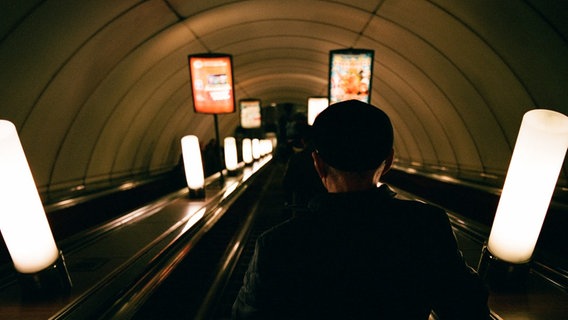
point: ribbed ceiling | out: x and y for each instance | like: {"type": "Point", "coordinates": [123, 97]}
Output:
{"type": "Point", "coordinates": [100, 89]}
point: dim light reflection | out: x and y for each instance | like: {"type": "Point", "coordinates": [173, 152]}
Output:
{"type": "Point", "coordinates": [126, 186]}
{"type": "Point", "coordinates": [232, 252]}
{"type": "Point", "coordinates": [230, 190]}
{"type": "Point", "coordinates": [64, 203]}
{"type": "Point", "coordinates": [247, 172]}
{"type": "Point", "coordinates": [488, 175]}
{"type": "Point", "coordinates": [445, 178]}
{"type": "Point", "coordinates": [79, 187]}
{"type": "Point", "coordinates": [193, 218]}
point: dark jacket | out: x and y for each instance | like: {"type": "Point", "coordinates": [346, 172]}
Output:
{"type": "Point", "coordinates": [361, 255]}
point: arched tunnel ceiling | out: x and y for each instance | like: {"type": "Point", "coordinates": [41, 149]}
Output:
{"type": "Point", "coordinates": [100, 89]}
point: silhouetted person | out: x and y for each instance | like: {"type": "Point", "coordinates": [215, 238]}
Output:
{"type": "Point", "coordinates": [211, 158]}
{"type": "Point", "coordinates": [295, 130]}
{"type": "Point", "coordinates": [361, 253]}
{"type": "Point", "coordinates": [301, 181]}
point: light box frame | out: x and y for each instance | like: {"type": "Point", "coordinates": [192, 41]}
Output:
{"type": "Point", "coordinates": [219, 78]}
{"type": "Point", "coordinates": [334, 88]}
{"type": "Point", "coordinates": [242, 116]}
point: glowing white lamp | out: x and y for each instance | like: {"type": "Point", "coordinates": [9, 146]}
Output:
{"type": "Point", "coordinates": [193, 166]}
{"type": "Point", "coordinates": [535, 165]}
{"type": "Point", "coordinates": [265, 147]}
{"type": "Point", "coordinates": [255, 149]}
{"type": "Point", "coordinates": [315, 106]}
{"type": "Point", "coordinates": [231, 161]}
{"type": "Point", "coordinates": [273, 140]}
{"type": "Point", "coordinates": [247, 151]}
{"type": "Point", "coordinates": [23, 221]}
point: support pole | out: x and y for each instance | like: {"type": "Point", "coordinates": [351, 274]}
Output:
{"type": "Point", "coordinates": [218, 147]}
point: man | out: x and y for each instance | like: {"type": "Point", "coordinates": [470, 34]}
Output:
{"type": "Point", "coordinates": [360, 253]}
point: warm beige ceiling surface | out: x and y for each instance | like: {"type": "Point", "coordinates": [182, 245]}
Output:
{"type": "Point", "coordinates": [99, 89]}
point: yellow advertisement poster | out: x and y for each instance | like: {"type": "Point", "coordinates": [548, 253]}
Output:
{"type": "Point", "coordinates": [350, 75]}
{"type": "Point", "coordinates": [251, 116]}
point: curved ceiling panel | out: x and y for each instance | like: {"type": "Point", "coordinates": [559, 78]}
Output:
{"type": "Point", "coordinates": [239, 12]}
{"type": "Point", "coordinates": [81, 75]}
{"type": "Point", "coordinates": [100, 90]}
{"type": "Point", "coordinates": [445, 70]}
{"type": "Point", "coordinates": [150, 65]}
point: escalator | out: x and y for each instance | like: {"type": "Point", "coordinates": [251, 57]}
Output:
{"type": "Point", "coordinates": [201, 289]}
{"type": "Point", "coordinates": [204, 285]}
{"type": "Point", "coordinates": [196, 274]}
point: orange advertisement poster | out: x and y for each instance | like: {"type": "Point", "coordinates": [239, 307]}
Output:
{"type": "Point", "coordinates": [211, 79]}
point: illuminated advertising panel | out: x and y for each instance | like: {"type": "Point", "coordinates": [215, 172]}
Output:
{"type": "Point", "coordinates": [350, 75]}
{"type": "Point", "coordinates": [211, 78]}
{"type": "Point", "coordinates": [315, 106]}
{"type": "Point", "coordinates": [250, 113]}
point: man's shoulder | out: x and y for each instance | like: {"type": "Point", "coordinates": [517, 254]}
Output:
{"type": "Point", "coordinates": [293, 224]}
{"type": "Point", "coordinates": [419, 213]}
{"type": "Point", "coordinates": [416, 206]}
{"type": "Point", "coordinates": [289, 230]}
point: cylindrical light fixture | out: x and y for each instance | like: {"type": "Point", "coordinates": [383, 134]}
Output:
{"type": "Point", "coordinates": [267, 146]}
{"type": "Point", "coordinates": [231, 161]}
{"type": "Point", "coordinates": [273, 140]}
{"type": "Point", "coordinates": [23, 221]}
{"type": "Point", "coordinates": [247, 151]}
{"type": "Point", "coordinates": [255, 149]}
{"type": "Point", "coordinates": [531, 178]}
{"type": "Point", "coordinates": [193, 166]}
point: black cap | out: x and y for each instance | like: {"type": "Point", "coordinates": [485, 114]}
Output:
{"type": "Point", "coordinates": [353, 136]}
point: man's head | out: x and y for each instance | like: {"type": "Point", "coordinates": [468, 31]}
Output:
{"type": "Point", "coordinates": [355, 139]}
{"type": "Point", "coordinates": [353, 136]}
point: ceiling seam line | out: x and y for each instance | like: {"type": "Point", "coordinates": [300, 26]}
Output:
{"type": "Point", "coordinates": [128, 127]}
{"type": "Point", "coordinates": [173, 10]}
{"type": "Point", "coordinates": [86, 100]}
{"type": "Point", "coordinates": [371, 16]}
{"type": "Point", "coordinates": [49, 82]}
{"type": "Point", "coordinates": [144, 137]}
{"type": "Point", "coordinates": [505, 62]}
